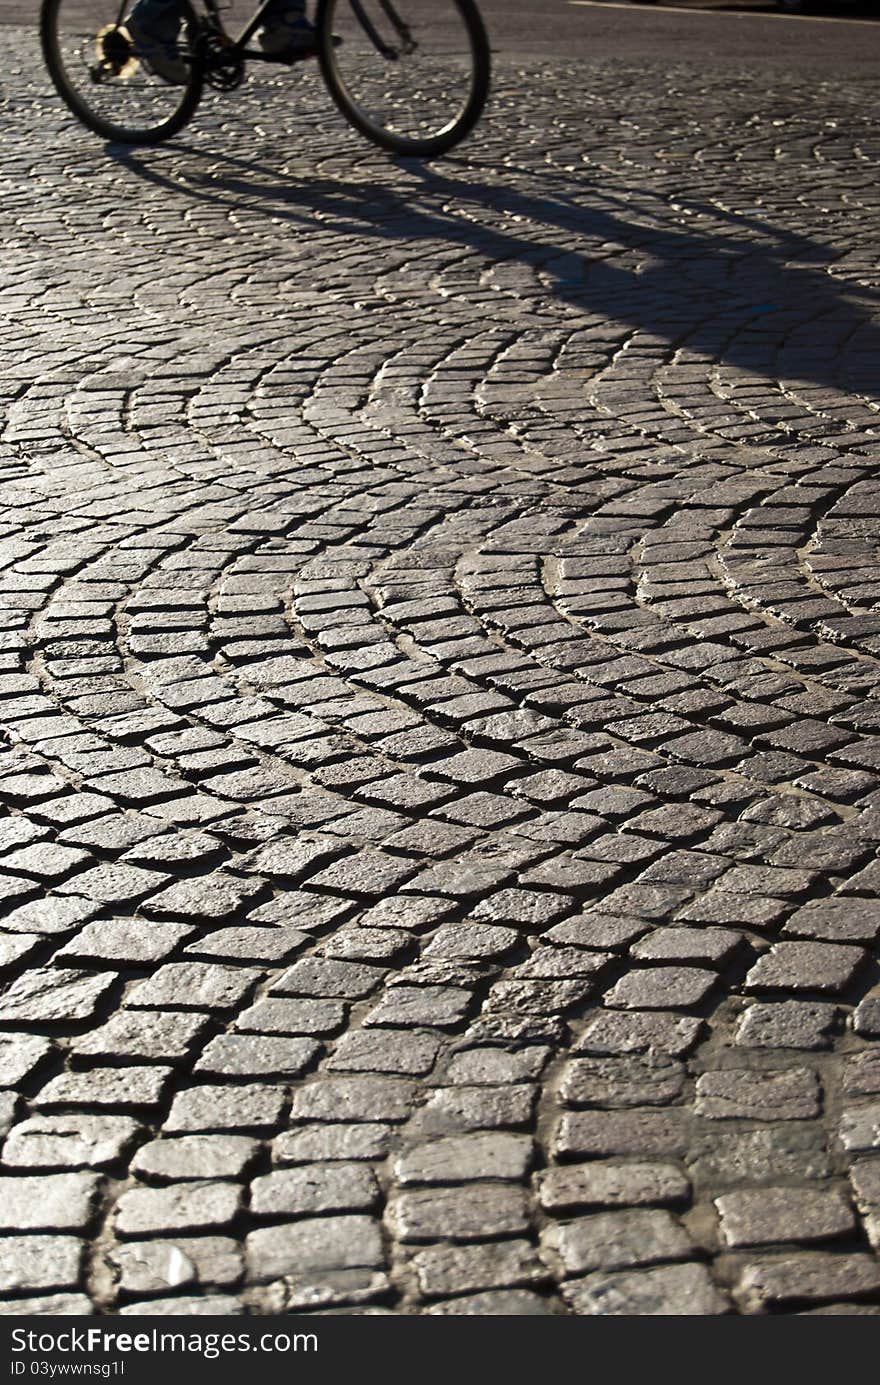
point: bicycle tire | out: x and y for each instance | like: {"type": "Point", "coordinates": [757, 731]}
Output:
{"type": "Point", "coordinates": [424, 146]}
{"type": "Point", "coordinates": [59, 65]}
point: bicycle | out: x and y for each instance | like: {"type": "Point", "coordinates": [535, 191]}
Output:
{"type": "Point", "coordinates": [410, 75]}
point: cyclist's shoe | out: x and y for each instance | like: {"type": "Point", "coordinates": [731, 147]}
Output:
{"type": "Point", "coordinates": [158, 55]}
{"type": "Point", "coordinates": [289, 37]}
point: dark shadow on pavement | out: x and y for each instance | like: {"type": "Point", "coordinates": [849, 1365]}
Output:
{"type": "Point", "coordinates": [734, 288]}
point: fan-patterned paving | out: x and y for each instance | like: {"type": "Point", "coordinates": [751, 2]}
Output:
{"type": "Point", "coordinates": [439, 646]}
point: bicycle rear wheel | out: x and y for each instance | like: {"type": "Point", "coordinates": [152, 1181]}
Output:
{"type": "Point", "coordinates": [97, 71]}
{"type": "Point", "coordinates": [411, 75]}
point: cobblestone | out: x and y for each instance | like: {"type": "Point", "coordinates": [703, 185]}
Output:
{"type": "Point", "coordinates": [321, 1188]}
{"type": "Point", "coordinates": [313, 1245]}
{"type": "Point", "coordinates": [616, 1240]}
{"type": "Point", "coordinates": [440, 755]}
{"type": "Point", "coordinates": [678, 1290]}
{"type": "Point", "coordinates": [769, 1096]}
{"type": "Point", "coordinates": [192, 1206]}
{"type": "Point", "coordinates": [606, 1184]}
{"type": "Point", "coordinates": [36, 1263]}
{"type": "Point", "coordinates": [809, 1276]}
{"type": "Point", "coordinates": [494, 1264]}
{"type": "Point", "coordinates": [163, 1266]}
{"type": "Point", "coordinates": [58, 1202]}
{"type": "Point", "coordinates": [758, 1216]}
{"type": "Point", "coordinates": [80, 1141]}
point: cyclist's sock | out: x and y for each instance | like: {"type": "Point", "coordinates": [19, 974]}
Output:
{"type": "Point", "coordinates": [288, 31]}
{"type": "Point", "coordinates": [161, 19]}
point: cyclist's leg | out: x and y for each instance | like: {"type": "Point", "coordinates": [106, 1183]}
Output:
{"type": "Point", "coordinates": [155, 27]}
{"type": "Point", "coordinates": [287, 30]}
{"type": "Point", "coordinates": [161, 18]}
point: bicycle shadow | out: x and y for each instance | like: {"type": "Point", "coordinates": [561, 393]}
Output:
{"type": "Point", "coordinates": [733, 288]}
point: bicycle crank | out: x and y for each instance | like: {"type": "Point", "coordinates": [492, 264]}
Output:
{"type": "Point", "coordinates": [224, 63]}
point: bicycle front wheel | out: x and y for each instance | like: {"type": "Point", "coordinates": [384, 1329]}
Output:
{"type": "Point", "coordinates": [108, 81]}
{"type": "Point", "coordinates": [411, 75]}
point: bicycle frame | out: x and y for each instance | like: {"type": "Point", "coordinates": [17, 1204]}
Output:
{"type": "Point", "coordinates": [249, 29]}
{"type": "Point", "coordinates": [410, 114]}
{"type": "Point", "coordinates": [373, 34]}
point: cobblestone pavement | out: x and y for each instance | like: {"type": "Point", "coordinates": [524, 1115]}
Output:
{"type": "Point", "coordinates": [441, 701]}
